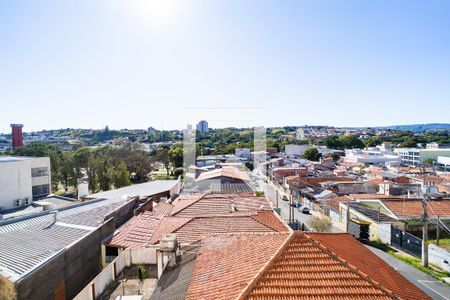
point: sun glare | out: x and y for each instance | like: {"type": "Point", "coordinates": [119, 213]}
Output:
{"type": "Point", "coordinates": [158, 12]}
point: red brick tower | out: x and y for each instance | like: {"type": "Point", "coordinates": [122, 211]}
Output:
{"type": "Point", "coordinates": [16, 133]}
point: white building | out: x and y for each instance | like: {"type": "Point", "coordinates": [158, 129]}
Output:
{"type": "Point", "coordinates": [415, 156]}
{"type": "Point", "coordinates": [242, 152]}
{"type": "Point", "coordinates": [202, 126]}
{"type": "Point", "coordinates": [295, 150]}
{"type": "Point", "coordinates": [444, 163]}
{"type": "Point", "coordinates": [370, 156]}
{"type": "Point", "coordinates": [23, 179]}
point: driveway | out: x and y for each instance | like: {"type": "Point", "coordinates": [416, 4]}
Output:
{"type": "Point", "coordinates": [432, 287]}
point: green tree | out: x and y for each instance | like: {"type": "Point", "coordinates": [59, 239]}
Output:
{"type": "Point", "coordinates": [320, 224]}
{"type": "Point", "coordinates": [67, 173]}
{"type": "Point", "coordinates": [312, 154]}
{"type": "Point", "coordinates": [121, 176]}
{"type": "Point", "coordinates": [178, 172]}
{"type": "Point", "coordinates": [176, 156]}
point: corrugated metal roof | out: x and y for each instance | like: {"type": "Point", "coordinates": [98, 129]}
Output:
{"type": "Point", "coordinates": [142, 190]}
{"type": "Point", "coordinates": [21, 250]}
{"type": "Point", "coordinates": [28, 242]}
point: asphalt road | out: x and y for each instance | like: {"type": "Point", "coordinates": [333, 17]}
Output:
{"type": "Point", "coordinates": [270, 191]}
{"type": "Point", "coordinates": [432, 287]}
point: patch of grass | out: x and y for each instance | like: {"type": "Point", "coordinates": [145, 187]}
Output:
{"type": "Point", "coordinates": [433, 271]}
{"type": "Point", "coordinates": [443, 243]}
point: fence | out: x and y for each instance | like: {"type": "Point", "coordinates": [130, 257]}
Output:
{"type": "Point", "coordinates": [125, 259]}
{"type": "Point", "coordinates": [406, 242]}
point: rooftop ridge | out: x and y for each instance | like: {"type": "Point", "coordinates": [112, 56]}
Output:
{"type": "Point", "coordinates": [351, 267]}
{"type": "Point", "coordinates": [175, 211]}
{"type": "Point", "coordinates": [245, 293]}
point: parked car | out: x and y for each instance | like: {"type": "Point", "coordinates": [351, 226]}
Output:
{"type": "Point", "coordinates": [284, 198]}
{"type": "Point", "coordinates": [305, 210]}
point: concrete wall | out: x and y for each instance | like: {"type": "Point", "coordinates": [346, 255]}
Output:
{"type": "Point", "coordinates": [439, 257]}
{"type": "Point", "coordinates": [16, 180]}
{"type": "Point", "coordinates": [128, 257]}
{"type": "Point", "coordinates": [74, 268]}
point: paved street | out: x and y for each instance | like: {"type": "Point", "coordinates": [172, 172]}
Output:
{"type": "Point", "coordinates": [270, 192]}
{"type": "Point", "coordinates": [431, 286]}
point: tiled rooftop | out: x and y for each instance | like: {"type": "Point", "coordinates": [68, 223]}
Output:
{"type": "Point", "coordinates": [228, 263]}
{"type": "Point", "coordinates": [218, 204]}
{"type": "Point", "coordinates": [356, 254]}
{"type": "Point", "coordinates": [293, 265]}
{"type": "Point", "coordinates": [230, 172]}
{"type": "Point", "coordinates": [413, 207]}
{"type": "Point", "coordinates": [189, 230]}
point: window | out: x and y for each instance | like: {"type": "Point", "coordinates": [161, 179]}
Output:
{"type": "Point", "coordinates": [40, 190]}
{"type": "Point", "coordinates": [38, 172]}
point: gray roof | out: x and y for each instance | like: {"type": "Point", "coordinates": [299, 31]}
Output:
{"type": "Point", "coordinates": [15, 158]}
{"type": "Point", "coordinates": [371, 213]}
{"type": "Point", "coordinates": [175, 280]}
{"type": "Point", "coordinates": [141, 190]}
{"type": "Point", "coordinates": [56, 200]}
{"type": "Point", "coordinates": [29, 241]}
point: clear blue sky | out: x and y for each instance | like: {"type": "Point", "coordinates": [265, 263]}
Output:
{"type": "Point", "coordinates": [140, 63]}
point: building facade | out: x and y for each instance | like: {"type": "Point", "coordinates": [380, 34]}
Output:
{"type": "Point", "coordinates": [415, 156]}
{"type": "Point", "coordinates": [202, 127]}
{"type": "Point", "coordinates": [23, 179]}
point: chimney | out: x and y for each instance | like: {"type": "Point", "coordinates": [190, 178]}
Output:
{"type": "Point", "coordinates": [167, 254]}
{"type": "Point", "coordinates": [55, 216]}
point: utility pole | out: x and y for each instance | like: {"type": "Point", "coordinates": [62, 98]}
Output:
{"type": "Point", "coordinates": [290, 212]}
{"type": "Point", "coordinates": [348, 217]}
{"type": "Point", "coordinates": [437, 231]}
{"type": "Point", "coordinates": [425, 220]}
{"type": "Point", "coordinates": [276, 195]}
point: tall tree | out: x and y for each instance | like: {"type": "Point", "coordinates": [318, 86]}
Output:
{"type": "Point", "coordinates": [121, 176]}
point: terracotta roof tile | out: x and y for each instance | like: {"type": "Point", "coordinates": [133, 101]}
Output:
{"type": "Point", "coordinates": [307, 270]}
{"type": "Point", "coordinates": [218, 204]}
{"type": "Point", "coordinates": [228, 263]}
{"type": "Point", "coordinates": [413, 207]}
{"type": "Point", "coordinates": [347, 248]}
{"type": "Point", "coordinates": [230, 172]}
{"type": "Point", "coordinates": [137, 232]}
{"type": "Point", "coordinates": [163, 208]}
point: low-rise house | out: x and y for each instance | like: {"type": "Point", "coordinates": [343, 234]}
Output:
{"type": "Point", "coordinates": [192, 217]}
{"type": "Point", "coordinates": [282, 265]}
{"type": "Point", "coordinates": [224, 180]}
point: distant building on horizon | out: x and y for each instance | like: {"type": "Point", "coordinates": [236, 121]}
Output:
{"type": "Point", "coordinates": [16, 136]}
{"type": "Point", "coordinates": [202, 126]}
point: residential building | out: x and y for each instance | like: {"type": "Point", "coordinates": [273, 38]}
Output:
{"type": "Point", "coordinates": [23, 179]}
{"type": "Point", "coordinates": [293, 265]}
{"type": "Point", "coordinates": [444, 163]}
{"type": "Point", "coordinates": [191, 217]}
{"type": "Point", "coordinates": [295, 150]}
{"type": "Point", "coordinates": [242, 152]}
{"type": "Point", "coordinates": [415, 156]}
{"type": "Point", "coordinates": [370, 156]}
{"type": "Point", "coordinates": [202, 127]}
